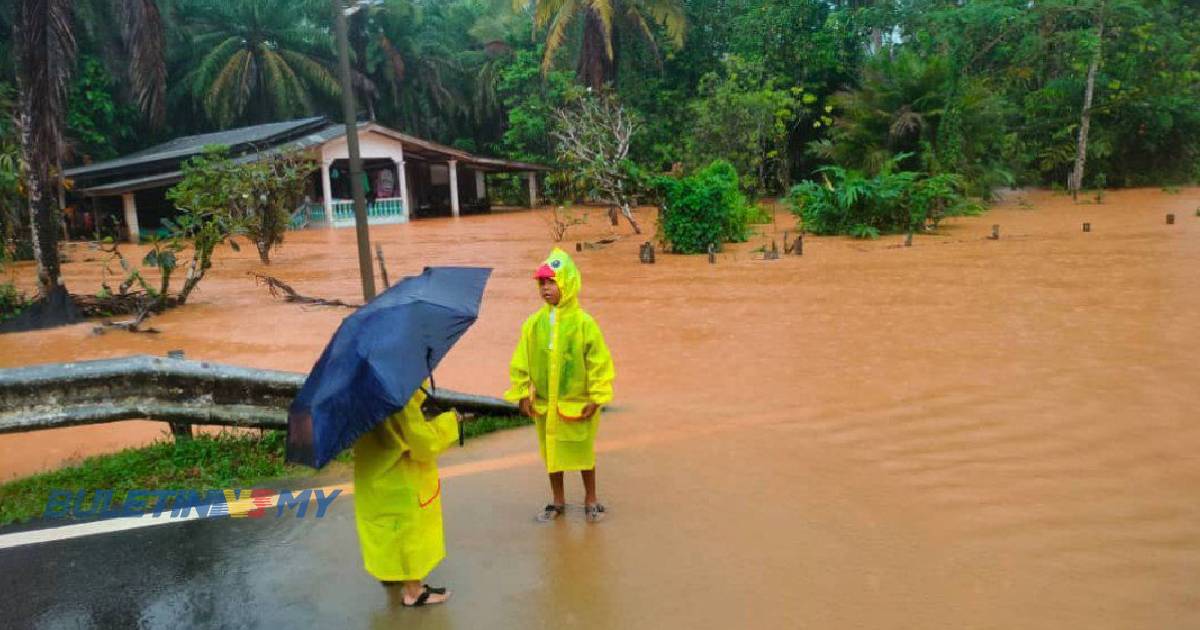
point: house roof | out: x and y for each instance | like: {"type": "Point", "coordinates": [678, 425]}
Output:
{"type": "Point", "coordinates": [161, 165]}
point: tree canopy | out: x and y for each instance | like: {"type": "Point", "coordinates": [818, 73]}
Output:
{"type": "Point", "coordinates": [993, 91]}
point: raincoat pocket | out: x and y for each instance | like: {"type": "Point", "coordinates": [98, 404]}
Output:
{"type": "Point", "coordinates": [572, 426]}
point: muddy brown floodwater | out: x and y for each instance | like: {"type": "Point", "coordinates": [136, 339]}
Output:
{"type": "Point", "coordinates": [961, 433]}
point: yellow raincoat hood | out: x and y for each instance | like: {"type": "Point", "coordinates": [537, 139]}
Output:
{"type": "Point", "coordinates": [562, 269]}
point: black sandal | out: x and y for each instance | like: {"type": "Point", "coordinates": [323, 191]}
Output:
{"type": "Point", "coordinates": [423, 598]}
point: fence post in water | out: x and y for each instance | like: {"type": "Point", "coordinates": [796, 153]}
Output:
{"type": "Point", "coordinates": [382, 267]}
{"type": "Point", "coordinates": [712, 254]}
{"type": "Point", "coordinates": [1087, 227]}
{"type": "Point", "coordinates": [1170, 219]}
{"type": "Point", "coordinates": [773, 253]}
{"type": "Point", "coordinates": [908, 239]}
{"type": "Point", "coordinates": [180, 430]}
{"type": "Point", "coordinates": [995, 232]}
{"type": "Point", "coordinates": [787, 247]}
{"type": "Point", "coordinates": [646, 255]}
{"type": "Point", "coordinates": [578, 246]}
{"type": "Point", "coordinates": [798, 246]}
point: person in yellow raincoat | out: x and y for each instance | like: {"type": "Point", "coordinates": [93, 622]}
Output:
{"type": "Point", "coordinates": [562, 373]}
{"type": "Point", "coordinates": [398, 505]}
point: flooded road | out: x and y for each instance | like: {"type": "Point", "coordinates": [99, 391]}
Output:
{"type": "Point", "coordinates": [961, 433]}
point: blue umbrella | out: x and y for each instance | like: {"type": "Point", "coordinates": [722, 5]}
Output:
{"type": "Point", "coordinates": [378, 358]}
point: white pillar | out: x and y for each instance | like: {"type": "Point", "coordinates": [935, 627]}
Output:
{"type": "Point", "coordinates": [131, 218]}
{"type": "Point", "coordinates": [327, 192]}
{"type": "Point", "coordinates": [410, 199]}
{"type": "Point", "coordinates": [454, 187]}
{"type": "Point", "coordinates": [480, 186]}
{"type": "Point", "coordinates": [403, 179]}
{"type": "Point", "coordinates": [533, 199]}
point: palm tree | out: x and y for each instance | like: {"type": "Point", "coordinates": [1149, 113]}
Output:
{"type": "Point", "coordinates": [896, 109]}
{"type": "Point", "coordinates": [45, 52]}
{"type": "Point", "coordinates": [597, 63]}
{"type": "Point", "coordinates": [259, 60]}
{"type": "Point", "coordinates": [132, 39]}
{"type": "Point", "coordinates": [404, 55]}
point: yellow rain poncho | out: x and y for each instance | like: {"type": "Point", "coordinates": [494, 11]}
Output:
{"type": "Point", "coordinates": [397, 492]}
{"type": "Point", "coordinates": [562, 364]}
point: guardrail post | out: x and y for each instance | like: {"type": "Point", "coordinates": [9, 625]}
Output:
{"type": "Point", "coordinates": [180, 430]}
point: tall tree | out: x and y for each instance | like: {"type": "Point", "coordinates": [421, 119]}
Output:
{"type": "Point", "coordinates": [45, 47]}
{"type": "Point", "coordinates": [597, 63]}
{"type": "Point", "coordinates": [130, 36]}
{"type": "Point", "coordinates": [259, 60]}
{"type": "Point", "coordinates": [1085, 116]}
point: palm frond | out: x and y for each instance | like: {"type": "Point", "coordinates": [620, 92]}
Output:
{"type": "Point", "coordinates": [211, 65]}
{"type": "Point", "coordinates": [219, 98]}
{"type": "Point", "coordinates": [669, 13]}
{"type": "Point", "coordinates": [144, 36]}
{"type": "Point", "coordinates": [558, 30]}
{"type": "Point", "coordinates": [603, 9]}
{"type": "Point", "coordinates": [313, 72]}
{"type": "Point", "coordinates": [546, 10]}
{"type": "Point", "coordinates": [639, 21]}
{"type": "Point", "coordinates": [395, 59]}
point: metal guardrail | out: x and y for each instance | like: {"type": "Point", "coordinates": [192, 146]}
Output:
{"type": "Point", "coordinates": [178, 391]}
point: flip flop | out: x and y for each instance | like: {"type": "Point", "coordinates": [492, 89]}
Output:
{"type": "Point", "coordinates": [550, 512]}
{"type": "Point", "coordinates": [423, 598]}
{"type": "Point", "coordinates": [594, 513]}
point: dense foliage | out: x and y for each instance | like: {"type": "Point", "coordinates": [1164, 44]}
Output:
{"type": "Point", "coordinates": [254, 198]}
{"type": "Point", "coordinates": [703, 209]}
{"type": "Point", "coordinates": [990, 90]}
{"type": "Point", "coordinates": [865, 206]}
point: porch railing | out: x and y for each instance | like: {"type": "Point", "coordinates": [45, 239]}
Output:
{"type": "Point", "coordinates": [390, 207]}
{"type": "Point", "coordinates": [386, 210]}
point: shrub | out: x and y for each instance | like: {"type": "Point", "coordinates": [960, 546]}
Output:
{"type": "Point", "coordinates": [849, 202]}
{"type": "Point", "coordinates": [702, 209]}
{"type": "Point", "coordinates": [12, 301]}
{"type": "Point", "coordinates": [258, 197]}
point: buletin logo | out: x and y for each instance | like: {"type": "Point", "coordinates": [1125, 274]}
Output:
{"type": "Point", "coordinates": [230, 502]}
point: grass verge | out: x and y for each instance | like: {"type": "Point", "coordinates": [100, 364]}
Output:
{"type": "Point", "coordinates": [223, 460]}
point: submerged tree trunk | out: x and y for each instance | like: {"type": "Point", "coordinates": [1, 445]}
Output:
{"type": "Point", "coordinates": [1085, 118]}
{"type": "Point", "coordinates": [628, 212]}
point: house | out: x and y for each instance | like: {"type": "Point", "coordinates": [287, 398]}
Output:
{"type": "Point", "coordinates": [409, 177]}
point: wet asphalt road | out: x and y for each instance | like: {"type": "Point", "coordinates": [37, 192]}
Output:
{"type": "Point", "coordinates": [290, 572]}
{"type": "Point", "coordinates": [220, 572]}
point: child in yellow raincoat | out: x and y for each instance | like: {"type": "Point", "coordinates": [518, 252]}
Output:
{"type": "Point", "coordinates": [398, 505]}
{"type": "Point", "coordinates": [561, 375]}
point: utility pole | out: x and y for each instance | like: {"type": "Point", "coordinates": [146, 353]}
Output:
{"type": "Point", "coordinates": [365, 268]}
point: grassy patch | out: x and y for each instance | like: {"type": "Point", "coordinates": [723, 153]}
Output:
{"type": "Point", "coordinates": [206, 462]}
{"type": "Point", "coordinates": [488, 424]}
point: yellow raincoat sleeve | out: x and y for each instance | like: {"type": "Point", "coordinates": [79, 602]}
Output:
{"type": "Point", "coordinates": [518, 369]}
{"type": "Point", "coordinates": [600, 370]}
{"type": "Point", "coordinates": [428, 438]}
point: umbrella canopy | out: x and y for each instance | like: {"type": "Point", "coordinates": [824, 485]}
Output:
{"type": "Point", "coordinates": [378, 358]}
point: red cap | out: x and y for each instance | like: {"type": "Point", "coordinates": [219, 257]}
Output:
{"type": "Point", "coordinates": [544, 272]}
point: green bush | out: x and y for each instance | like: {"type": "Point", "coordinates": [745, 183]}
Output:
{"type": "Point", "coordinates": [704, 208]}
{"type": "Point", "coordinates": [12, 301]}
{"type": "Point", "coordinates": [757, 215]}
{"type": "Point", "coordinates": [849, 202]}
